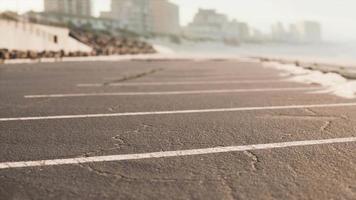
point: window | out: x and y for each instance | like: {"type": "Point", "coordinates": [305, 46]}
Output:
{"type": "Point", "coordinates": [55, 39]}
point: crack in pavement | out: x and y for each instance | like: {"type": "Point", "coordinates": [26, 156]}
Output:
{"type": "Point", "coordinates": [119, 141]}
{"type": "Point", "coordinates": [325, 126]}
{"type": "Point", "coordinates": [255, 159]}
{"type": "Point", "coordinates": [119, 176]}
{"type": "Point", "coordinates": [99, 151]}
{"type": "Point", "coordinates": [132, 77]}
{"type": "Point", "coordinates": [310, 111]}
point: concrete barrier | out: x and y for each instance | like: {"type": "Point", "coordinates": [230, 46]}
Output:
{"type": "Point", "coordinates": [27, 36]}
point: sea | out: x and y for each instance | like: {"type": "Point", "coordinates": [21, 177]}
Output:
{"type": "Point", "coordinates": [338, 54]}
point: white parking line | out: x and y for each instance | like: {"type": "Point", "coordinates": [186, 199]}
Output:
{"type": "Point", "coordinates": [168, 154]}
{"type": "Point", "coordinates": [213, 77]}
{"type": "Point", "coordinates": [177, 112]}
{"type": "Point", "coordinates": [170, 92]}
{"type": "Point", "coordinates": [176, 83]}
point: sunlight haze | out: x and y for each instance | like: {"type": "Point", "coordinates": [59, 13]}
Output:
{"type": "Point", "coordinates": [336, 17]}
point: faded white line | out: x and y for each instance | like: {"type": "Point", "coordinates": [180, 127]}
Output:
{"type": "Point", "coordinates": [176, 112]}
{"type": "Point", "coordinates": [168, 154]}
{"type": "Point", "coordinates": [171, 92]}
{"type": "Point", "coordinates": [175, 83]}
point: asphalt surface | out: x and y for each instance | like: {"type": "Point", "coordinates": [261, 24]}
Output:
{"type": "Point", "coordinates": [319, 171]}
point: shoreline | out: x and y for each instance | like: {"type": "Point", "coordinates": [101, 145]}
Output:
{"type": "Point", "coordinates": [334, 82]}
{"type": "Point", "coordinates": [346, 72]}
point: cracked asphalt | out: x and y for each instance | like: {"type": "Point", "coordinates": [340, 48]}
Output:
{"type": "Point", "coordinates": [306, 172]}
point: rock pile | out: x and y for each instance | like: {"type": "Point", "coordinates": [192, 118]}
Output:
{"type": "Point", "coordinates": [102, 44]}
{"type": "Point", "coordinates": [18, 54]}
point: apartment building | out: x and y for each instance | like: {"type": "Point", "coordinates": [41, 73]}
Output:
{"type": "Point", "coordinates": [71, 7]}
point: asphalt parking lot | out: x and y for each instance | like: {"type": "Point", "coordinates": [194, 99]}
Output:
{"type": "Point", "coordinates": [171, 129]}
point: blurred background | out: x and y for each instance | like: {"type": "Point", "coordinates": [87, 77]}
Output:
{"type": "Point", "coordinates": [304, 29]}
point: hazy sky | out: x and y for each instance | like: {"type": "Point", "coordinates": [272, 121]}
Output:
{"type": "Point", "coordinates": [336, 16]}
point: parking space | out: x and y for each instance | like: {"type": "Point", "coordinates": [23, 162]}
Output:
{"type": "Point", "coordinates": [172, 130]}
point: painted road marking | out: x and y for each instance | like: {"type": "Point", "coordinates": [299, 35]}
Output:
{"type": "Point", "coordinates": [177, 112]}
{"type": "Point", "coordinates": [175, 83]}
{"type": "Point", "coordinates": [213, 77]}
{"type": "Point", "coordinates": [168, 154]}
{"type": "Point", "coordinates": [170, 92]}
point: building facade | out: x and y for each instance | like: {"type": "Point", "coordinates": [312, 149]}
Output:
{"type": "Point", "coordinates": [145, 16]}
{"type": "Point", "coordinates": [309, 31]}
{"type": "Point", "coordinates": [207, 24]}
{"type": "Point", "coordinates": [301, 32]}
{"type": "Point", "coordinates": [72, 7]}
{"type": "Point", "coordinates": [279, 33]}
{"type": "Point", "coordinates": [165, 17]}
{"type": "Point", "coordinates": [236, 31]}
{"type": "Point", "coordinates": [133, 14]}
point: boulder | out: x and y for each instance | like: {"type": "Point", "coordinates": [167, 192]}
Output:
{"type": "Point", "coordinates": [4, 54]}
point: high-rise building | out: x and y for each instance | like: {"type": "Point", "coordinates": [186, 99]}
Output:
{"type": "Point", "coordinates": [71, 7]}
{"type": "Point", "coordinates": [133, 14]}
{"type": "Point", "coordinates": [207, 24]}
{"type": "Point", "coordinates": [236, 30]}
{"type": "Point", "coordinates": [279, 33]}
{"type": "Point", "coordinates": [309, 31]}
{"type": "Point", "coordinates": [165, 17]}
{"type": "Point", "coordinates": [244, 31]}
{"type": "Point", "coordinates": [145, 16]}
{"type": "Point", "coordinates": [211, 25]}
{"type": "Point", "coordinates": [301, 32]}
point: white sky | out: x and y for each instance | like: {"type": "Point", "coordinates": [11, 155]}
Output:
{"type": "Point", "coordinates": [336, 16]}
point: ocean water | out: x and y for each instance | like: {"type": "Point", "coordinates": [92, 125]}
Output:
{"type": "Point", "coordinates": [332, 54]}
{"type": "Point", "coordinates": [343, 54]}
{"type": "Point", "coordinates": [329, 53]}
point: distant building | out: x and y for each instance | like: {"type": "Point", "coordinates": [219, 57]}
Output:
{"type": "Point", "coordinates": [165, 17]}
{"type": "Point", "coordinates": [279, 33]}
{"type": "Point", "coordinates": [244, 31]}
{"type": "Point", "coordinates": [232, 30]}
{"type": "Point", "coordinates": [207, 24]}
{"type": "Point", "coordinates": [309, 31]}
{"type": "Point", "coordinates": [72, 7]}
{"type": "Point", "coordinates": [302, 32]}
{"type": "Point", "coordinates": [294, 35]}
{"type": "Point", "coordinates": [134, 15]}
{"type": "Point", "coordinates": [145, 16]}
{"type": "Point", "coordinates": [235, 30]}
{"type": "Point", "coordinates": [256, 36]}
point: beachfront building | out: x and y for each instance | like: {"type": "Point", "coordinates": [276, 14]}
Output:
{"type": "Point", "coordinates": [165, 17]}
{"type": "Point", "coordinates": [309, 32]}
{"type": "Point", "coordinates": [301, 32]}
{"type": "Point", "coordinates": [293, 33]}
{"type": "Point", "coordinates": [245, 34]}
{"type": "Point", "coordinates": [134, 15]}
{"type": "Point", "coordinates": [143, 16]}
{"type": "Point", "coordinates": [236, 31]}
{"type": "Point", "coordinates": [70, 7]}
{"type": "Point", "coordinates": [76, 13]}
{"type": "Point", "coordinates": [207, 24]}
{"type": "Point", "coordinates": [279, 33]}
